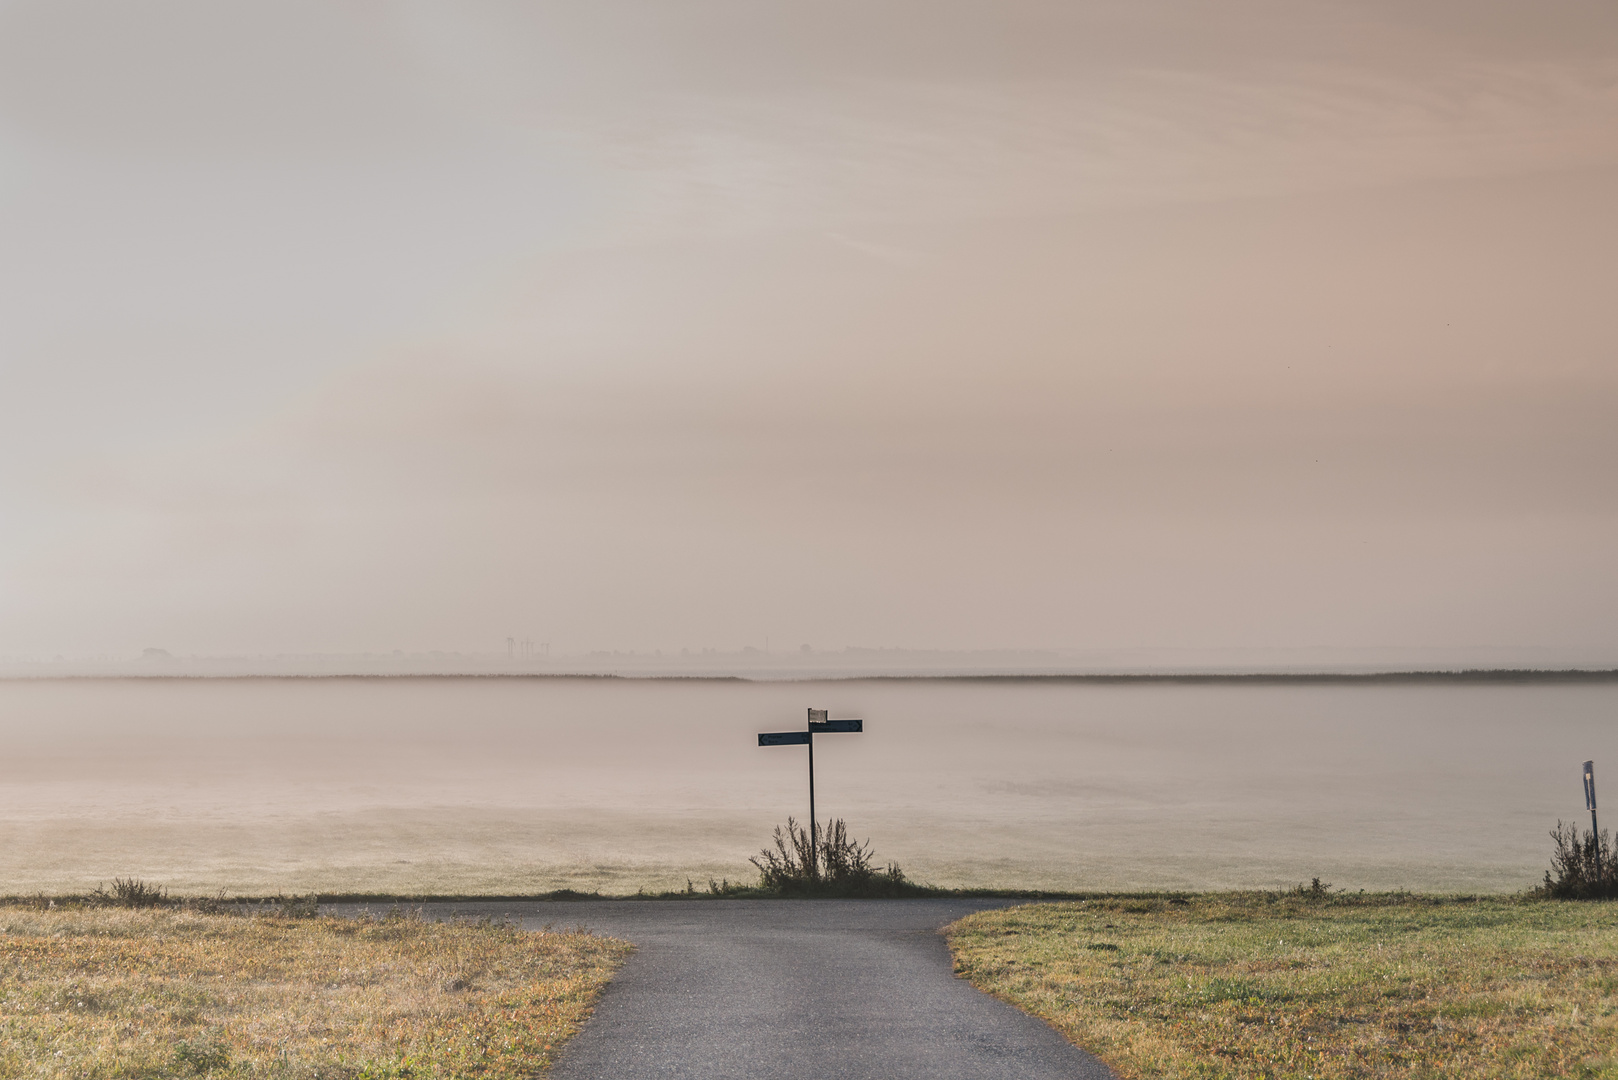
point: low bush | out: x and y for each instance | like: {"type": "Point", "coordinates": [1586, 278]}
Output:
{"type": "Point", "coordinates": [828, 862]}
{"type": "Point", "coordinates": [129, 893]}
{"type": "Point", "coordinates": [1315, 890]}
{"type": "Point", "coordinates": [1584, 866]}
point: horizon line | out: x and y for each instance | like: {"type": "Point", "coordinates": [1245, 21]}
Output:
{"type": "Point", "coordinates": [1573, 674]}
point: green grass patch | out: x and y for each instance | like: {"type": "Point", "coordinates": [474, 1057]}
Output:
{"type": "Point", "coordinates": [1309, 985]}
{"type": "Point", "coordinates": [125, 993]}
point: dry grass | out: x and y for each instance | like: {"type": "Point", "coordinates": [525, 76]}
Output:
{"type": "Point", "coordinates": [1289, 986]}
{"type": "Point", "coordinates": [97, 994]}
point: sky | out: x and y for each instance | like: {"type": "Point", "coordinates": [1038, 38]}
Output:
{"type": "Point", "coordinates": [960, 325]}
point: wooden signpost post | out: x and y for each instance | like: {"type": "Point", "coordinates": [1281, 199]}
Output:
{"type": "Point", "coordinates": [817, 722]}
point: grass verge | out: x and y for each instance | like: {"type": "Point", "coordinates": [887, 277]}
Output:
{"type": "Point", "coordinates": [1299, 985]}
{"type": "Point", "coordinates": [110, 994]}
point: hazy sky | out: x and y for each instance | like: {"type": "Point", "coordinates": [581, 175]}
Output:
{"type": "Point", "coordinates": [363, 326]}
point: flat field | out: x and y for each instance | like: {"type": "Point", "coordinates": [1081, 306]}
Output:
{"type": "Point", "coordinates": [1287, 985]}
{"type": "Point", "coordinates": [107, 994]}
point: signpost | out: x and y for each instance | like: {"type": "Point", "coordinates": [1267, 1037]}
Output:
{"type": "Point", "coordinates": [817, 722]}
{"type": "Point", "coordinates": [1590, 805]}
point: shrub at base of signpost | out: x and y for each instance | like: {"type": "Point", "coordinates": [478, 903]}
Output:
{"type": "Point", "coordinates": [834, 864]}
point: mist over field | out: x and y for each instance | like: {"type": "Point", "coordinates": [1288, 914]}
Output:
{"type": "Point", "coordinates": [506, 786]}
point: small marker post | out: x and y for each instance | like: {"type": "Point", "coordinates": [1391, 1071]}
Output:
{"type": "Point", "coordinates": [1590, 805]}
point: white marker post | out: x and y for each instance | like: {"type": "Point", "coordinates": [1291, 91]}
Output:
{"type": "Point", "coordinates": [817, 722]}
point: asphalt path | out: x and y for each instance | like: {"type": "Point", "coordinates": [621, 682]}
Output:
{"type": "Point", "coordinates": [800, 989]}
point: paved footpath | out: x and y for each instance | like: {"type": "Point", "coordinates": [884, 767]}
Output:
{"type": "Point", "coordinates": [799, 989]}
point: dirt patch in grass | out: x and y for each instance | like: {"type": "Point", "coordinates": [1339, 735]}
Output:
{"type": "Point", "coordinates": [98, 994]}
{"type": "Point", "coordinates": [1293, 986]}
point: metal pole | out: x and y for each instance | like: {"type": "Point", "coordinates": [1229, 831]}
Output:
{"type": "Point", "coordinates": [1590, 801]}
{"type": "Point", "coordinates": [1597, 833]}
{"type": "Point", "coordinates": [813, 835]}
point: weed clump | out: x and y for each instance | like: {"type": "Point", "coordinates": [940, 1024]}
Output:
{"type": "Point", "coordinates": [1584, 866]}
{"type": "Point", "coordinates": [1315, 890]}
{"type": "Point", "coordinates": [827, 862]}
{"type": "Point", "coordinates": [129, 893]}
{"type": "Point", "coordinates": [201, 1056]}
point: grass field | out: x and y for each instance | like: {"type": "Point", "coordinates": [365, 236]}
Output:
{"type": "Point", "coordinates": [1308, 986]}
{"type": "Point", "coordinates": [104, 993]}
